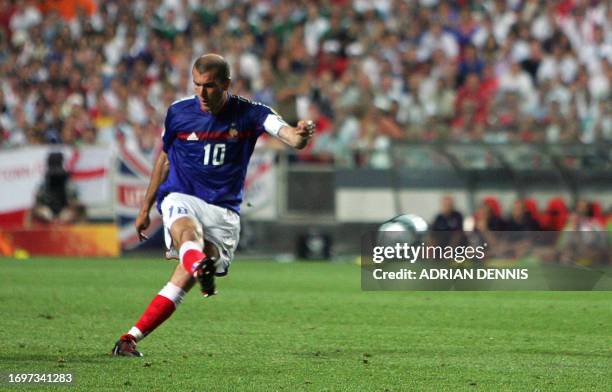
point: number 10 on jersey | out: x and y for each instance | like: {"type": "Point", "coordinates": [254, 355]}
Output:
{"type": "Point", "coordinates": [218, 154]}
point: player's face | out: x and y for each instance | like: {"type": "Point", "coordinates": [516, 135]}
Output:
{"type": "Point", "coordinates": [210, 92]}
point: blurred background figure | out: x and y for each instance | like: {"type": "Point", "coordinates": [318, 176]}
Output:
{"type": "Point", "coordinates": [56, 197]}
{"type": "Point", "coordinates": [447, 227]}
{"type": "Point", "coordinates": [488, 217]}
{"type": "Point", "coordinates": [520, 219]}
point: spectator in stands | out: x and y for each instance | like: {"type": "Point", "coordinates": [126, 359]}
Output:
{"type": "Point", "coordinates": [603, 121]}
{"type": "Point", "coordinates": [492, 214]}
{"type": "Point", "coordinates": [449, 219]}
{"type": "Point", "coordinates": [519, 82]}
{"type": "Point", "coordinates": [556, 128]}
{"type": "Point", "coordinates": [531, 208]}
{"type": "Point", "coordinates": [520, 219]}
{"type": "Point", "coordinates": [439, 105]}
{"type": "Point", "coordinates": [469, 124]}
{"type": "Point", "coordinates": [586, 216]}
{"type": "Point", "coordinates": [56, 199]}
{"type": "Point", "coordinates": [508, 115]}
{"type": "Point", "coordinates": [583, 240]}
{"type": "Point", "coordinates": [469, 64]}
{"type": "Point", "coordinates": [471, 94]}
{"type": "Point", "coordinates": [532, 62]}
{"type": "Point", "coordinates": [448, 224]}
{"type": "Point", "coordinates": [436, 38]}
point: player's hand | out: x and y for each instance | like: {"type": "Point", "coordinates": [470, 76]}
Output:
{"type": "Point", "coordinates": [305, 129]}
{"type": "Point", "coordinates": [142, 223]}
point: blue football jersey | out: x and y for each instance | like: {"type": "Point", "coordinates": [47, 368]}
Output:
{"type": "Point", "coordinates": [209, 154]}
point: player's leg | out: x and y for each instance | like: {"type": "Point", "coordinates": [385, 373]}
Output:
{"type": "Point", "coordinates": [163, 305]}
{"type": "Point", "coordinates": [184, 229]}
{"type": "Point", "coordinates": [159, 310]}
{"type": "Point", "coordinates": [187, 237]}
{"type": "Point", "coordinates": [196, 259]}
{"type": "Point", "coordinates": [219, 228]}
{"type": "Point", "coordinates": [168, 299]}
{"type": "Point", "coordinates": [223, 230]}
{"type": "Point", "coordinates": [184, 279]}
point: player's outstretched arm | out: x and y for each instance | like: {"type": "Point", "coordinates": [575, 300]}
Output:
{"type": "Point", "coordinates": [160, 172]}
{"type": "Point", "coordinates": [299, 136]}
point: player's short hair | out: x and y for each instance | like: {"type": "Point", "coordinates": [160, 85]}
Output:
{"type": "Point", "coordinates": [215, 63]}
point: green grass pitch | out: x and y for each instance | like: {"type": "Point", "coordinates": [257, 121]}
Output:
{"type": "Point", "coordinates": [292, 327]}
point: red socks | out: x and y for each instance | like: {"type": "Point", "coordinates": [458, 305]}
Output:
{"type": "Point", "coordinates": [165, 303]}
{"type": "Point", "coordinates": [191, 254]}
{"type": "Point", "coordinates": [158, 311]}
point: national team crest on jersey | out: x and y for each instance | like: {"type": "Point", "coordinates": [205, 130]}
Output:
{"type": "Point", "coordinates": [233, 132]}
{"type": "Point", "coordinates": [233, 135]}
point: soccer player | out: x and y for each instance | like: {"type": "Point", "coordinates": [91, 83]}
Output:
{"type": "Point", "coordinates": [198, 183]}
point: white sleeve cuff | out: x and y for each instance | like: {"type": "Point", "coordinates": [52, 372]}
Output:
{"type": "Point", "coordinates": [273, 124]}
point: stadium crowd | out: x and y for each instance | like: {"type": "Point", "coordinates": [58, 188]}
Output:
{"type": "Point", "coordinates": [524, 215]}
{"type": "Point", "coordinates": [368, 72]}
{"type": "Point", "coordinates": [580, 234]}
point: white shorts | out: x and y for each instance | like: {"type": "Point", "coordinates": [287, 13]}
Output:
{"type": "Point", "coordinates": [221, 226]}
